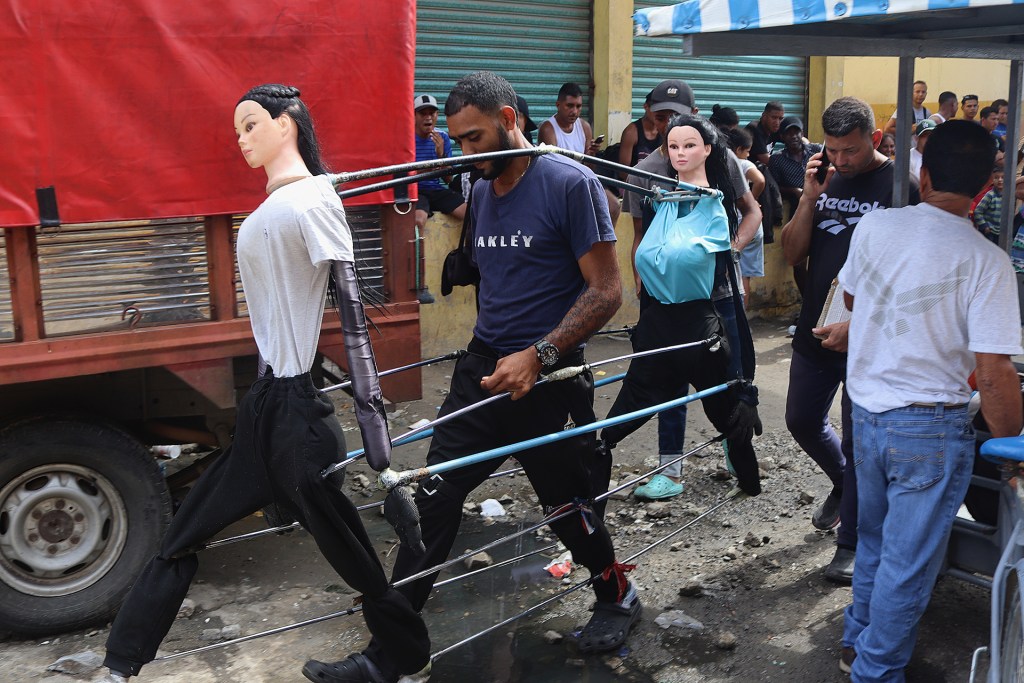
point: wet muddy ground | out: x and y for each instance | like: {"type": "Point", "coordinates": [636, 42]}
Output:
{"type": "Point", "coordinates": [765, 610]}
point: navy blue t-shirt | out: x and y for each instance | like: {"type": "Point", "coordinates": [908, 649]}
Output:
{"type": "Point", "coordinates": [527, 244]}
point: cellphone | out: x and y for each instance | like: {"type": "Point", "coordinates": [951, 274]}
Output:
{"type": "Point", "coordinates": [823, 169]}
{"type": "Point", "coordinates": [599, 139]}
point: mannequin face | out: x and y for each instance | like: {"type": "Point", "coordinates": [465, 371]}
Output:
{"type": "Point", "coordinates": [260, 137]}
{"type": "Point", "coordinates": [686, 149]}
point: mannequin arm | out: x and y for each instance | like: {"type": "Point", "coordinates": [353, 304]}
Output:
{"type": "Point", "coordinates": [370, 414]}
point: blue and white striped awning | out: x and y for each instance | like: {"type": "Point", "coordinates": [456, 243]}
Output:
{"type": "Point", "coordinates": [710, 16]}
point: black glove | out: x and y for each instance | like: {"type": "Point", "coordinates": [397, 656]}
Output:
{"type": "Point", "coordinates": [744, 423]}
{"type": "Point", "coordinates": [401, 512]}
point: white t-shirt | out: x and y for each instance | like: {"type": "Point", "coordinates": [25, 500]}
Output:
{"type": "Point", "coordinates": [915, 164]}
{"type": "Point", "coordinates": [575, 139]}
{"type": "Point", "coordinates": [929, 292]}
{"type": "Point", "coordinates": [285, 248]}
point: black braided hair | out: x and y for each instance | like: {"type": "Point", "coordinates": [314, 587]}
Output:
{"type": "Point", "coordinates": [280, 99]}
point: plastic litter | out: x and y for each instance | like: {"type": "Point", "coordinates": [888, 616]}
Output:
{"type": "Point", "coordinates": [561, 566]}
{"type": "Point", "coordinates": [491, 508]}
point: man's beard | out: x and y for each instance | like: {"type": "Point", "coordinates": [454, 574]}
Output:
{"type": "Point", "coordinates": [498, 166]}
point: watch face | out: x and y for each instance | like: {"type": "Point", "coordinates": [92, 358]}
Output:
{"type": "Point", "coordinates": [548, 353]}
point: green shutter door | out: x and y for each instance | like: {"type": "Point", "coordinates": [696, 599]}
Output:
{"type": "Point", "coordinates": [744, 83]}
{"type": "Point", "coordinates": [536, 44]}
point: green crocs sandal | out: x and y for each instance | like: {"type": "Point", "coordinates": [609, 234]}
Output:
{"type": "Point", "coordinates": [659, 487]}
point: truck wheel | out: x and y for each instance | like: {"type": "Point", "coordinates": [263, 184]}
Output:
{"type": "Point", "coordinates": [83, 507]}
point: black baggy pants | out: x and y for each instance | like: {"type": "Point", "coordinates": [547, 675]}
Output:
{"type": "Point", "coordinates": [559, 472]}
{"type": "Point", "coordinates": [656, 379]}
{"type": "Point", "coordinates": [285, 435]}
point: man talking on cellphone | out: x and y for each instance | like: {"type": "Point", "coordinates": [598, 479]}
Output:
{"type": "Point", "coordinates": [858, 181]}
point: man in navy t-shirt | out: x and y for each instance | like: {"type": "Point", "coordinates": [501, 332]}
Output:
{"type": "Point", "coordinates": [549, 279]}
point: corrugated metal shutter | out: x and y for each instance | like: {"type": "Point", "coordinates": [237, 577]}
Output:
{"type": "Point", "coordinates": [744, 83]}
{"type": "Point", "coordinates": [536, 44]}
{"type": "Point", "coordinates": [367, 247]}
{"type": "Point", "coordinates": [105, 276]}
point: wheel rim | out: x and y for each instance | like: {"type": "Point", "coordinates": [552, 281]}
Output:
{"type": "Point", "coordinates": [62, 528]}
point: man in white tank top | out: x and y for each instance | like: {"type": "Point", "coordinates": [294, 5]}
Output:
{"type": "Point", "coordinates": [567, 130]}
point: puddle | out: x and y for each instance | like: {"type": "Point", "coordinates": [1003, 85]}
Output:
{"type": "Point", "coordinates": [517, 651]}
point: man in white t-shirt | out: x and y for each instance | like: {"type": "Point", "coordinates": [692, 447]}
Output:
{"type": "Point", "coordinates": [922, 131]}
{"type": "Point", "coordinates": [932, 300]}
{"type": "Point", "coordinates": [920, 111]}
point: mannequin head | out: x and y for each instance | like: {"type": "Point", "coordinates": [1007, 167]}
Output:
{"type": "Point", "coordinates": [289, 118]}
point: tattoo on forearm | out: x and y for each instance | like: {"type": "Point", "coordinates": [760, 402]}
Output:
{"type": "Point", "coordinates": [594, 307]}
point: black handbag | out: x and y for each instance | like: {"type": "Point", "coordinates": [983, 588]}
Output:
{"type": "Point", "coordinates": [458, 270]}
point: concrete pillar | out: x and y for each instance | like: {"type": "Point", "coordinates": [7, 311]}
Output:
{"type": "Point", "coordinates": [613, 67]}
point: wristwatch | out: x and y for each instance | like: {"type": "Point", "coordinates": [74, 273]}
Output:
{"type": "Point", "coordinates": [547, 353]}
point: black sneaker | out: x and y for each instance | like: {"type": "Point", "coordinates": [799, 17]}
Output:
{"type": "Point", "coordinates": [356, 668]}
{"type": "Point", "coordinates": [424, 296]}
{"type": "Point", "coordinates": [840, 569]}
{"type": "Point", "coordinates": [846, 657]}
{"type": "Point", "coordinates": [827, 515]}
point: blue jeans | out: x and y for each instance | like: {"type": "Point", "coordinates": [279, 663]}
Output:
{"type": "Point", "coordinates": [672, 422]}
{"type": "Point", "coordinates": [913, 469]}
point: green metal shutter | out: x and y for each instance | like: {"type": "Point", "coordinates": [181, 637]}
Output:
{"type": "Point", "coordinates": [536, 44]}
{"type": "Point", "coordinates": [744, 83]}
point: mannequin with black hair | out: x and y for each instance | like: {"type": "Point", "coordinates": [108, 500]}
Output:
{"type": "Point", "coordinates": [697, 152]}
{"type": "Point", "coordinates": [289, 250]}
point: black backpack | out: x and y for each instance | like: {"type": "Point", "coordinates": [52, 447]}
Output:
{"type": "Point", "coordinates": [771, 203]}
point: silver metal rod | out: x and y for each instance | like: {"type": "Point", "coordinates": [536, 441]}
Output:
{"type": "Point", "coordinates": [550, 518]}
{"type": "Point", "coordinates": [431, 164]}
{"type": "Point", "coordinates": [262, 634]}
{"type": "Point", "coordinates": [496, 565]}
{"type": "Point", "coordinates": [573, 588]}
{"type": "Point", "coordinates": [280, 530]}
{"type": "Point", "coordinates": [561, 374]}
{"type": "Point", "coordinates": [454, 355]}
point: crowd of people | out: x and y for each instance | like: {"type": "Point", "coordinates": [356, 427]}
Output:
{"type": "Point", "coordinates": [773, 171]}
{"type": "Point", "coordinates": [929, 300]}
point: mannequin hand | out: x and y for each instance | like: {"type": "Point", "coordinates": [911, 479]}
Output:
{"type": "Point", "coordinates": [401, 512]}
{"type": "Point", "coordinates": [744, 423]}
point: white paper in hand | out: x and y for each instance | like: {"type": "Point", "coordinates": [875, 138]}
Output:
{"type": "Point", "coordinates": [834, 310]}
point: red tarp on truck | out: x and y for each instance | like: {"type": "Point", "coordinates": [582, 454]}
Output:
{"type": "Point", "coordinates": [126, 107]}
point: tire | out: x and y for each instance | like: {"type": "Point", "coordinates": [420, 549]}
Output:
{"type": "Point", "coordinates": [83, 507]}
{"type": "Point", "coordinates": [1011, 645]}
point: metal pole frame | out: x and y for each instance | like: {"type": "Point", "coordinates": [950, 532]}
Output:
{"type": "Point", "coordinates": [1013, 130]}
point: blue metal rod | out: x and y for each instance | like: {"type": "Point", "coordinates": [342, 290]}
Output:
{"type": "Point", "coordinates": [390, 478]}
{"type": "Point", "coordinates": [402, 440]}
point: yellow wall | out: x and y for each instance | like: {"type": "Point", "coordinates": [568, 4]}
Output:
{"type": "Point", "coordinates": [874, 79]}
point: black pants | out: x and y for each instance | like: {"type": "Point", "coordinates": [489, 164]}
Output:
{"type": "Point", "coordinates": [655, 379]}
{"type": "Point", "coordinates": [285, 435]}
{"type": "Point", "coordinates": [560, 472]}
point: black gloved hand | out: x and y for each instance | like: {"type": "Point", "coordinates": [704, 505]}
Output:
{"type": "Point", "coordinates": [744, 423]}
{"type": "Point", "coordinates": [401, 512]}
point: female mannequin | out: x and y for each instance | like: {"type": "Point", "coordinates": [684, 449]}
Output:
{"type": "Point", "coordinates": [286, 433]}
{"type": "Point", "coordinates": [672, 313]}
